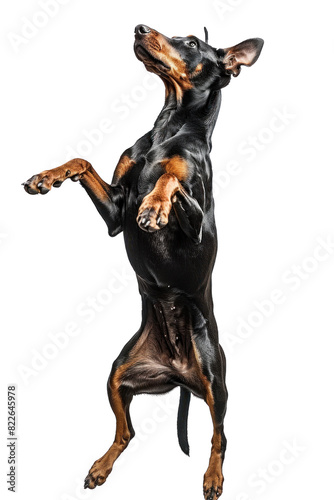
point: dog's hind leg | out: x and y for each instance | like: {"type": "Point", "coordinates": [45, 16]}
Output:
{"type": "Point", "coordinates": [136, 371]}
{"type": "Point", "coordinates": [216, 397]}
{"type": "Point", "coordinates": [212, 375]}
{"type": "Point", "coordinates": [120, 399]}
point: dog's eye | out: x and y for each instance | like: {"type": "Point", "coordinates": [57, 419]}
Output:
{"type": "Point", "coordinates": [192, 44]}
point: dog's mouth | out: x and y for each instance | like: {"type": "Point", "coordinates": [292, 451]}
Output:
{"type": "Point", "coordinates": [149, 59]}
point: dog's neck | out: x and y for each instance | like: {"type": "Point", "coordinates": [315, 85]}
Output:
{"type": "Point", "coordinates": [196, 110]}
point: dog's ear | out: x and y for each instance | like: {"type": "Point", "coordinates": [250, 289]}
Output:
{"type": "Point", "coordinates": [245, 53]}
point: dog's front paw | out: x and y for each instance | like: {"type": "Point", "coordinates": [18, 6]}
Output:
{"type": "Point", "coordinates": [153, 213]}
{"type": "Point", "coordinates": [43, 182]}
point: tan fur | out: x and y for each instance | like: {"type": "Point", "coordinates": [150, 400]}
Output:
{"type": "Point", "coordinates": [176, 166]}
{"type": "Point", "coordinates": [178, 75]}
{"type": "Point", "coordinates": [123, 166]}
{"type": "Point", "coordinates": [213, 476]}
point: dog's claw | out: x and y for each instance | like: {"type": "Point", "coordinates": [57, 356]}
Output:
{"type": "Point", "coordinates": [211, 494]}
{"type": "Point", "coordinates": [91, 482]}
{"type": "Point", "coordinates": [28, 189]}
{"type": "Point", "coordinates": [42, 189]}
{"type": "Point", "coordinates": [149, 220]}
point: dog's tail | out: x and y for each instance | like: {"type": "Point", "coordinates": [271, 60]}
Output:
{"type": "Point", "coordinates": [182, 420]}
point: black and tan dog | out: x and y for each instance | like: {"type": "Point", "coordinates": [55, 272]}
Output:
{"type": "Point", "coordinates": [161, 198]}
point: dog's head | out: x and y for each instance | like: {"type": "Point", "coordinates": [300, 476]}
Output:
{"type": "Point", "coordinates": [187, 62]}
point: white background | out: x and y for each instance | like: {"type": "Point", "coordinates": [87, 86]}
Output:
{"type": "Point", "coordinates": [73, 73]}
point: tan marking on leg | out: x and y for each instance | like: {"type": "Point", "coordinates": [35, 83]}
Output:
{"type": "Point", "coordinates": [213, 478]}
{"type": "Point", "coordinates": [122, 436]}
{"type": "Point", "coordinates": [103, 466]}
{"type": "Point", "coordinates": [177, 166]}
{"type": "Point", "coordinates": [47, 178]}
{"type": "Point", "coordinates": [158, 203]}
{"type": "Point", "coordinates": [124, 165]}
{"type": "Point", "coordinates": [76, 169]}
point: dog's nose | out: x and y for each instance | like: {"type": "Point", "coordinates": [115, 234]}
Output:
{"type": "Point", "coordinates": [141, 29]}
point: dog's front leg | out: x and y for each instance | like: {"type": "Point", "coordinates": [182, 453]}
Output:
{"type": "Point", "coordinates": [108, 199]}
{"type": "Point", "coordinates": [189, 214]}
{"type": "Point", "coordinates": [155, 208]}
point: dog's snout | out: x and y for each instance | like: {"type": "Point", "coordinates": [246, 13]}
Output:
{"type": "Point", "coordinates": [142, 29]}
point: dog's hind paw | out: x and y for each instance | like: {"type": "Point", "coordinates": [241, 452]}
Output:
{"type": "Point", "coordinates": [212, 493]}
{"type": "Point", "coordinates": [91, 482]}
{"type": "Point", "coordinates": [213, 486]}
{"type": "Point", "coordinates": [97, 475]}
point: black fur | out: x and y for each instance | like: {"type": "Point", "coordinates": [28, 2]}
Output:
{"type": "Point", "coordinates": [177, 343]}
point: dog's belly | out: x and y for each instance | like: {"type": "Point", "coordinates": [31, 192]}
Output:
{"type": "Point", "coordinates": [170, 259]}
{"type": "Point", "coordinates": [164, 354]}
{"type": "Point", "coordinates": [156, 370]}
{"type": "Point", "coordinates": [152, 377]}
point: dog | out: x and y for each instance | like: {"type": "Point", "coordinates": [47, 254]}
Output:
{"type": "Point", "coordinates": [161, 199]}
